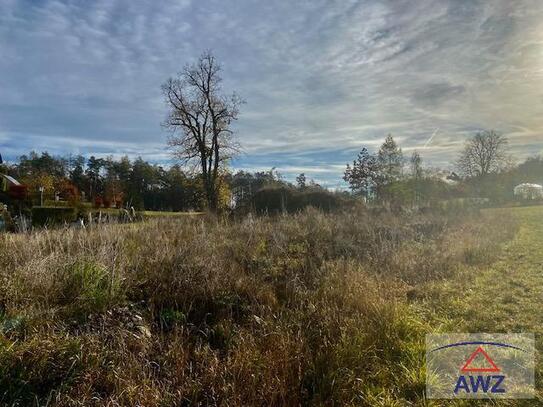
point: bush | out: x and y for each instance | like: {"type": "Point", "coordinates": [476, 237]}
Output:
{"type": "Point", "coordinates": [52, 215]}
{"type": "Point", "coordinates": [82, 211]}
{"type": "Point", "coordinates": [18, 192]}
{"type": "Point", "coordinates": [288, 200]}
{"type": "Point", "coordinates": [98, 201]}
{"type": "Point", "coordinates": [53, 203]}
{"type": "Point", "coordinates": [273, 200]}
{"type": "Point", "coordinates": [321, 199]}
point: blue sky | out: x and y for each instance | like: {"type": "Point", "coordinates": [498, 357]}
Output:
{"type": "Point", "coordinates": [321, 78]}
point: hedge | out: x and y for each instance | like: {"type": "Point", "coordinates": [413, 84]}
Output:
{"type": "Point", "coordinates": [284, 199]}
{"type": "Point", "coordinates": [52, 215]}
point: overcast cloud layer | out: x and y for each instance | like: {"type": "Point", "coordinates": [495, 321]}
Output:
{"type": "Point", "coordinates": [321, 78]}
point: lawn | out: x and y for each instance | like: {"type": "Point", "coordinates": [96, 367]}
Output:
{"type": "Point", "coordinates": [504, 296]}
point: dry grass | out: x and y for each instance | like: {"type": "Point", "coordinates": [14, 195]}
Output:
{"type": "Point", "coordinates": [302, 309]}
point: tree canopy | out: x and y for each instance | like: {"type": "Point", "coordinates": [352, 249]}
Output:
{"type": "Point", "coordinates": [200, 117]}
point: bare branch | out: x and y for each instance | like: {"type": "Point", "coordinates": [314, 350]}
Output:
{"type": "Point", "coordinates": [199, 119]}
{"type": "Point", "coordinates": [484, 154]}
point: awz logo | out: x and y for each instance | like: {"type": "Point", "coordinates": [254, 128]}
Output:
{"type": "Point", "coordinates": [480, 383]}
{"type": "Point", "coordinates": [479, 377]}
{"type": "Point", "coordinates": [483, 383]}
{"type": "Point", "coordinates": [480, 366]}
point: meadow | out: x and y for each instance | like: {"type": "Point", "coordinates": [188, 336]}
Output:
{"type": "Point", "coordinates": [304, 309]}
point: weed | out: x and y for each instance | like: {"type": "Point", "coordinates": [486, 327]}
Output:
{"type": "Point", "coordinates": [311, 308]}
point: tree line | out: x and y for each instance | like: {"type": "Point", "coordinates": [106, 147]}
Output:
{"type": "Point", "coordinates": [106, 181]}
{"type": "Point", "coordinates": [200, 118]}
{"type": "Point", "coordinates": [386, 176]}
{"type": "Point", "coordinates": [484, 168]}
{"type": "Point", "coordinates": [136, 183]}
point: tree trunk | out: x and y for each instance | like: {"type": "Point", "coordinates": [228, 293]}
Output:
{"type": "Point", "coordinates": [211, 195]}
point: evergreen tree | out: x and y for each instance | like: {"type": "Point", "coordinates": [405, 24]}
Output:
{"type": "Point", "coordinates": [301, 181]}
{"type": "Point", "coordinates": [363, 175]}
{"type": "Point", "coordinates": [77, 172]}
{"type": "Point", "coordinates": [390, 160]}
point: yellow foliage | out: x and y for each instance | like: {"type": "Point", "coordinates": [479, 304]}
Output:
{"type": "Point", "coordinates": [46, 181]}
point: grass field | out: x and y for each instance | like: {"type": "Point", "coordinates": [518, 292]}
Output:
{"type": "Point", "coordinates": [510, 289]}
{"type": "Point", "coordinates": [170, 214]}
{"type": "Point", "coordinates": [151, 214]}
{"type": "Point", "coordinates": [307, 309]}
{"type": "Point", "coordinates": [504, 296]}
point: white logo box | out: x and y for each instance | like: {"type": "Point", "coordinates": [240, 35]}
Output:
{"type": "Point", "coordinates": [480, 366]}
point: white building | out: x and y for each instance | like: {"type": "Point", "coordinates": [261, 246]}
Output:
{"type": "Point", "coordinates": [529, 191]}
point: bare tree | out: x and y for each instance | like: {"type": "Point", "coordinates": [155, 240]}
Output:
{"type": "Point", "coordinates": [200, 117]}
{"type": "Point", "coordinates": [483, 154]}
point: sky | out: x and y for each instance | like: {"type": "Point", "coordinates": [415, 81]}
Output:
{"type": "Point", "coordinates": [321, 78]}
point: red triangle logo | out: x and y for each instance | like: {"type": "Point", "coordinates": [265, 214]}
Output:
{"type": "Point", "coordinates": [466, 368]}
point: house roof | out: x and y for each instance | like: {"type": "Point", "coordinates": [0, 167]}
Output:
{"type": "Point", "coordinates": [527, 185]}
{"type": "Point", "coordinates": [10, 179]}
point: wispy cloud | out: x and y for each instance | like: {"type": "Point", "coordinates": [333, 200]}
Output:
{"type": "Point", "coordinates": [322, 78]}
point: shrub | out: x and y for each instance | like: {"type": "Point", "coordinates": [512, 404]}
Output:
{"type": "Point", "coordinates": [18, 192]}
{"type": "Point", "coordinates": [50, 216]}
{"type": "Point", "coordinates": [53, 203]}
{"type": "Point", "coordinates": [288, 200]}
{"type": "Point", "coordinates": [68, 191]}
{"type": "Point", "coordinates": [82, 211]}
{"type": "Point", "coordinates": [321, 199]}
{"type": "Point", "coordinates": [98, 201]}
{"type": "Point", "coordinates": [273, 200]}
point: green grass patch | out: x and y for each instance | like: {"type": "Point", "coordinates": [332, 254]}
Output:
{"type": "Point", "coordinates": [88, 288]}
{"type": "Point", "coordinates": [503, 295]}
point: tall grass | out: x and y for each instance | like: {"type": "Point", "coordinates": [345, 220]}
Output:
{"type": "Point", "coordinates": [301, 309]}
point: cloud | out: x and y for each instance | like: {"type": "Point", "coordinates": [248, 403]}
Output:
{"type": "Point", "coordinates": [435, 94]}
{"type": "Point", "coordinates": [322, 78]}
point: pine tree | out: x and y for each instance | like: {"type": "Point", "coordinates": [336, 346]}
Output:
{"type": "Point", "coordinates": [363, 174]}
{"type": "Point", "coordinates": [390, 160]}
